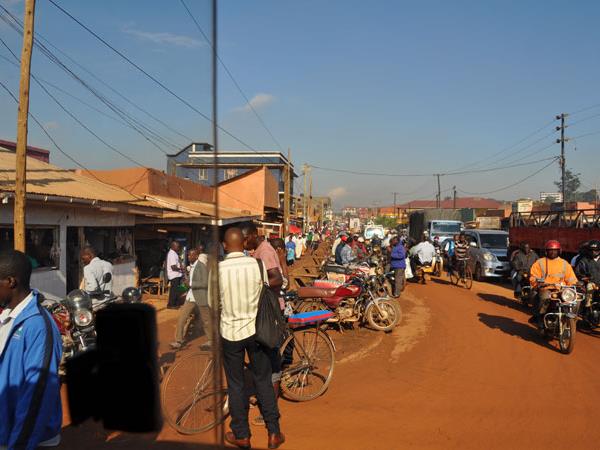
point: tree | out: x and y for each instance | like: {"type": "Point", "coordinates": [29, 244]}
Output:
{"type": "Point", "coordinates": [588, 196]}
{"type": "Point", "coordinates": [572, 184]}
{"type": "Point", "coordinates": [386, 222]}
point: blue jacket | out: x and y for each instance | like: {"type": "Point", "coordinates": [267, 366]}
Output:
{"type": "Point", "coordinates": [338, 253]}
{"type": "Point", "coordinates": [398, 257]}
{"type": "Point", "coordinates": [30, 404]}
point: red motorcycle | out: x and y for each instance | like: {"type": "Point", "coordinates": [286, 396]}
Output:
{"type": "Point", "coordinates": [350, 303]}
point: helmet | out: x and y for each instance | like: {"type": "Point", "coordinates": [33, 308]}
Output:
{"type": "Point", "coordinates": [552, 245]}
{"type": "Point", "coordinates": [131, 295]}
{"type": "Point", "coordinates": [594, 245]}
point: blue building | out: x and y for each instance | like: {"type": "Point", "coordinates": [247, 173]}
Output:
{"type": "Point", "coordinates": [195, 162]}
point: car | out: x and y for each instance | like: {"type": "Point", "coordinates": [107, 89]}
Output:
{"type": "Point", "coordinates": [488, 253]}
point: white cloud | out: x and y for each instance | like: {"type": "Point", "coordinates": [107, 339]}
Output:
{"type": "Point", "coordinates": [258, 101]}
{"type": "Point", "coordinates": [164, 38]}
{"type": "Point", "coordinates": [52, 125]}
{"type": "Point", "coordinates": [337, 192]}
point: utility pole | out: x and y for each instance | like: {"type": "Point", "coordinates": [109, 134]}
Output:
{"type": "Point", "coordinates": [439, 191]}
{"type": "Point", "coordinates": [454, 197]}
{"type": "Point", "coordinates": [23, 115]}
{"type": "Point", "coordinates": [395, 210]}
{"type": "Point", "coordinates": [310, 205]}
{"type": "Point", "coordinates": [304, 201]}
{"type": "Point", "coordinates": [563, 162]}
{"type": "Point", "coordinates": [286, 195]}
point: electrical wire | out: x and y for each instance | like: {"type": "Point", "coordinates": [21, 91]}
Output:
{"type": "Point", "coordinates": [148, 75]}
{"type": "Point", "coordinates": [248, 103]}
{"type": "Point", "coordinates": [513, 184]}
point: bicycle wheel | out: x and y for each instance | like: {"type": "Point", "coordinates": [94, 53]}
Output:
{"type": "Point", "coordinates": [188, 395]}
{"type": "Point", "coordinates": [308, 361]}
{"type": "Point", "coordinates": [468, 278]}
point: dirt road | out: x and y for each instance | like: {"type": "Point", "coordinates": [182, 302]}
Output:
{"type": "Point", "coordinates": [464, 370]}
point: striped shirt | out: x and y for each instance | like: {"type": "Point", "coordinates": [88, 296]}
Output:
{"type": "Point", "coordinates": [240, 286]}
{"type": "Point", "coordinates": [461, 250]}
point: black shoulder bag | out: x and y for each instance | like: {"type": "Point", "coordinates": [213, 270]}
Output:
{"type": "Point", "coordinates": [270, 323]}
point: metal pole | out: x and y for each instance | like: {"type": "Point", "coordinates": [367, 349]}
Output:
{"type": "Point", "coordinates": [304, 201]}
{"type": "Point", "coordinates": [286, 195]}
{"type": "Point", "coordinates": [216, 316]}
{"type": "Point", "coordinates": [439, 194]}
{"type": "Point", "coordinates": [454, 197]}
{"type": "Point", "coordinates": [563, 162]}
{"type": "Point", "coordinates": [22, 118]}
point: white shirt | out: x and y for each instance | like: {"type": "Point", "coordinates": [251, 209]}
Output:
{"type": "Point", "coordinates": [7, 318]}
{"type": "Point", "coordinates": [240, 286]}
{"type": "Point", "coordinates": [173, 260]}
{"type": "Point", "coordinates": [189, 297]}
{"type": "Point", "coordinates": [93, 273]}
{"type": "Point", "coordinates": [335, 244]}
{"type": "Point", "coordinates": [425, 251]}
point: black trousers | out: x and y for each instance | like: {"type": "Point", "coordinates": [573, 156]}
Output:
{"type": "Point", "coordinates": [260, 366]}
{"type": "Point", "coordinates": [174, 293]}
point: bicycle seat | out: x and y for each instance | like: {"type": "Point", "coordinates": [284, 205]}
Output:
{"type": "Point", "coordinates": [315, 292]}
{"type": "Point", "coordinates": [336, 269]}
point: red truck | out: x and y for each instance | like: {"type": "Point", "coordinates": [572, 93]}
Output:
{"type": "Point", "coordinates": [570, 228]}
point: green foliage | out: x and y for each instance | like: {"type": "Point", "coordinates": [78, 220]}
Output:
{"type": "Point", "coordinates": [386, 222]}
{"type": "Point", "coordinates": [572, 184]}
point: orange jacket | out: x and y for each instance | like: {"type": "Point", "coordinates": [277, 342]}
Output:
{"type": "Point", "coordinates": [551, 271]}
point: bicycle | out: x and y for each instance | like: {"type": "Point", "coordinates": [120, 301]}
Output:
{"type": "Point", "coordinates": [462, 273]}
{"type": "Point", "coordinates": [190, 400]}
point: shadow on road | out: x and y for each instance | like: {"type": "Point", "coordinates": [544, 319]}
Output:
{"type": "Point", "coordinates": [440, 281]}
{"type": "Point", "coordinates": [513, 328]}
{"type": "Point", "coordinates": [503, 301]}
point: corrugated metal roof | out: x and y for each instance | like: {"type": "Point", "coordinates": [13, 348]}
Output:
{"type": "Point", "coordinates": [47, 179]}
{"type": "Point", "coordinates": [197, 208]}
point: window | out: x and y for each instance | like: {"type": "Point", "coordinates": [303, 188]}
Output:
{"type": "Point", "coordinates": [202, 174]}
{"type": "Point", "coordinates": [112, 244]}
{"type": "Point", "coordinates": [229, 173]}
{"type": "Point", "coordinates": [494, 240]}
{"type": "Point", "coordinates": [41, 245]}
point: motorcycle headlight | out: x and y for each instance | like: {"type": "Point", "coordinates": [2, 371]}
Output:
{"type": "Point", "coordinates": [488, 256]}
{"type": "Point", "coordinates": [83, 317]}
{"type": "Point", "coordinates": [568, 295]}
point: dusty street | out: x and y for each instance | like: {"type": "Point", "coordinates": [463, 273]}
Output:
{"type": "Point", "coordinates": [464, 370]}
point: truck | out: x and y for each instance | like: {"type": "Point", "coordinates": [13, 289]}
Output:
{"type": "Point", "coordinates": [571, 228]}
{"type": "Point", "coordinates": [443, 223]}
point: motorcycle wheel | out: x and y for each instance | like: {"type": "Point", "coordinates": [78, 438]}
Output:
{"type": "Point", "coordinates": [385, 322]}
{"type": "Point", "coordinates": [566, 340]}
{"type": "Point", "coordinates": [468, 278]}
{"type": "Point", "coordinates": [309, 306]}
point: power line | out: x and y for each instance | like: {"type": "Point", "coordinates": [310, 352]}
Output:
{"type": "Point", "coordinates": [148, 75]}
{"type": "Point", "coordinates": [132, 122]}
{"type": "Point", "coordinates": [381, 174]}
{"type": "Point", "coordinates": [260, 119]}
{"type": "Point", "coordinates": [513, 184]}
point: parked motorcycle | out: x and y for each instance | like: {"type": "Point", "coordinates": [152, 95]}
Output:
{"type": "Point", "coordinates": [351, 303]}
{"type": "Point", "coordinates": [589, 309]}
{"type": "Point", "coordinates": [560, 320]}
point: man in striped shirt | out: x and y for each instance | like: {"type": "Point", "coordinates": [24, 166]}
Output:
{"type": "Point", "coordinates": [240, 287]}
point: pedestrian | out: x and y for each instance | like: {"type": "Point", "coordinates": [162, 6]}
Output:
{"type": "Point", "coordinates": [30, 354]}
{"type": "Point", "coordinates": [196, 300]}
{"type": "Point", "coordinates": [265, 252]}
{"type": "Point", "coordinates": [290, 247]}
{"type": "Point", "coordinates": [94, 271]}
{"type": "Point", "coordinates": [240, 285]}
{"type": "Point", "coordinates": [174, 274]}
{"type": "Point", "coordinates": [398, 264]}
{"type": "Point", "coordinates": [279, 246]}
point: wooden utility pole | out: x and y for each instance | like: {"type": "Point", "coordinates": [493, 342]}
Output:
{"type": "Point", "coordinates": [23, 115]}
{"type": "Point", "coordinates": [454, 197]}
{"type": "Point", "coordinates": [563, 162]}
{"type": "Point", "coordinates": [395, 211]}
{"type": "Point", "coordinates": [310, 205]}
{"type": "Point", "coordinates": [286, 196]}
{"type": "Point", "coordinates": [439, 192]}
{"type": "Point", "coordinates": [304, 201]}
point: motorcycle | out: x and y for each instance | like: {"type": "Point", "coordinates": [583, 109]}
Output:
{"type": "Point", "coordinates": [422, 270]}
{"type": "Point", "coordinates": [590, 306]}
{"type": "Point", "coordinates": [527, 291]}
{"type": "Point", "coordinates": [560, 320]}
{"type": "Point", "coordinates": [351, 303]}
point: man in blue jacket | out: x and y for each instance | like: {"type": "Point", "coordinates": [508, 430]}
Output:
{"type": "Point", "coordinates": [30, 353]}
{"type": "Point", "coordinates": [398, 264]}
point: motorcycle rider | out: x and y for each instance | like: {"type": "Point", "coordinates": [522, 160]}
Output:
{"type": "Point", "coordinates": [521, 261]}
{"type": "Point", "coordinates": [422, 254]}
{"type": "Point", "coordinates": [551, 269]}
{"type": "Point", "coordinates": [588, 267]}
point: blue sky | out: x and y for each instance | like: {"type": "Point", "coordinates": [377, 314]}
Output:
{"type": "Point", "coordinates": [385, 86]}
